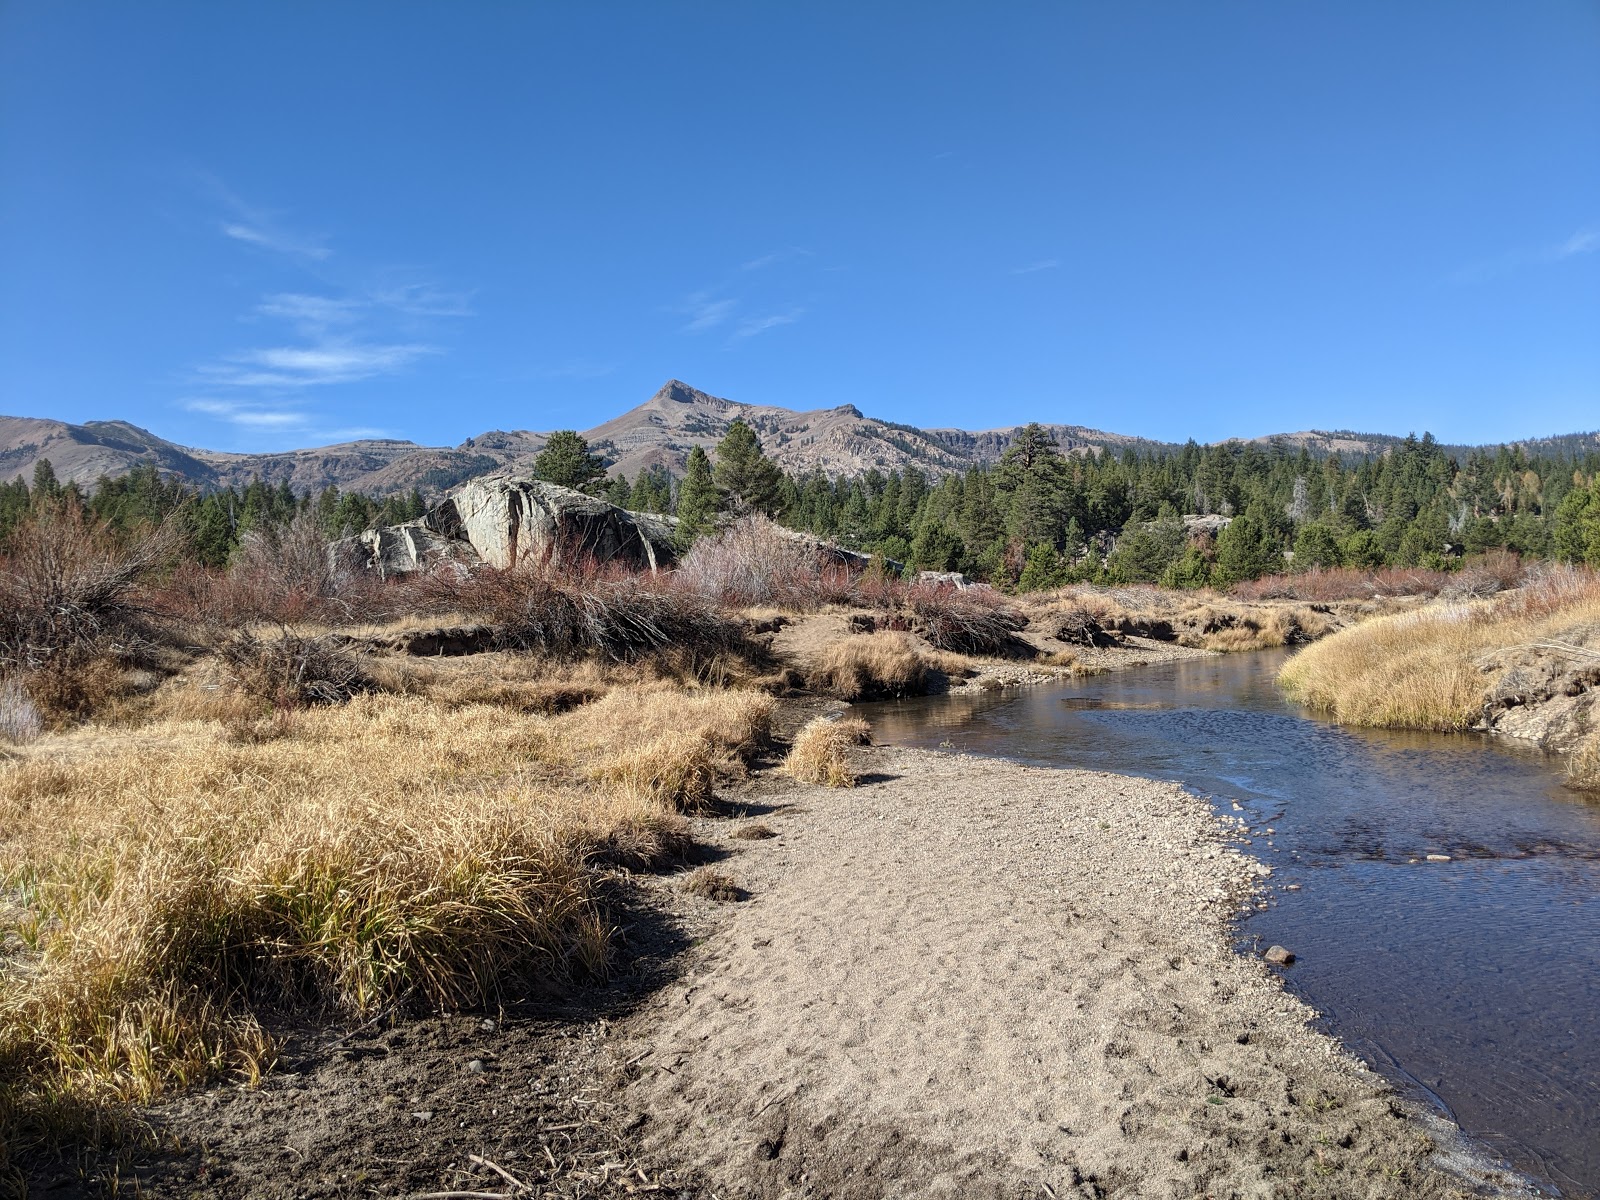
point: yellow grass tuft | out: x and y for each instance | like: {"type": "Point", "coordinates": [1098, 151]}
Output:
{"type": "Point", "coordinates": [1583, 769]}
{"type": "Point", "coordinates": [821, 751]}
{"type": "Point", "coordinates": [879, 664]}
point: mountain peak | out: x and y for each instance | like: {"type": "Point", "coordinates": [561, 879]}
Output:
{"type": "Point", "coordinates": [676, 391]}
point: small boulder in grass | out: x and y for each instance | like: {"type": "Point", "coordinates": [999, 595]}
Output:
{"type": "Point", "coordinates": [1278, 956]}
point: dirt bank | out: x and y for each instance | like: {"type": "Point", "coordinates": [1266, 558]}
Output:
{"type": "Point", "coordinates": [969, 978]}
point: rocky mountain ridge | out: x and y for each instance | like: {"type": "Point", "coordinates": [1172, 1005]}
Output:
{"type": "Point", "coordinates": [658, 433]}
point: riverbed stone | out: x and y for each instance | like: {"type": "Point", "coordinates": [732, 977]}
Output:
{"type": "Point", "coordinates": [1278, 956]}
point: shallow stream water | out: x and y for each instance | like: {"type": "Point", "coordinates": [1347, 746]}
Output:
{"type": "Point", "coordinates": [1473, 982]}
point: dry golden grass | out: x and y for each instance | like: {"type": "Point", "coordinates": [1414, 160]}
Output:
{"type": "Point", "coordinates": [821, 752]}
{"type": "Point", "coordinates": [1413, 671]}
{"type": "Point", "coordinates": [161, 888]}
{"type": "Point", "coordinates": [1235, 628]}
{"type": "Point", "coordinates": [1202, 619]}
{"type": "Point", "coordinates": [1583, 770]}
{"type": "Point", "coordinates": [879, 664]}
{"type": "Point", "coordinates": [1419, 669]}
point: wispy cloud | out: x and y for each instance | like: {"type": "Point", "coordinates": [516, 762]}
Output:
{"type": "Point", "coordinates": [1043, 264]}
{"type": "Point", "coordinates": [254, 417]}
{"type": "Point", "coordinates": [264, 228]}
{"type": "Point", "coordinates": [758, 325]}
{"type": "Point", "coordinates": [1584, 241]}
{"type": "Point", "coordinates": [312, 366]}
{"type": "Point", "coordinates": [277, 241]}
{"type": "Point", "coordinates": [379, 323]}
{"type": "Point", "coordinates": [311, 313]}
{"type": "Point", "coordinates": [705, 313]}
{"type": "Point", "coordinates": [777, 256]}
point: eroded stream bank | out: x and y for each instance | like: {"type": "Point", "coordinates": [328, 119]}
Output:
{"type": "Point", "coordinates": [1473, 981]}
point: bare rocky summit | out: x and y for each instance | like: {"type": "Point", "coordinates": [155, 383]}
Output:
{"type": "Point", "coordinates": [838, 441]}
{"type": "Point", "coordinates": [661, 432]}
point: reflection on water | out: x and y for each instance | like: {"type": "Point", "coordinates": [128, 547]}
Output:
{"type": "Point", "coordinates": [1476, 980]}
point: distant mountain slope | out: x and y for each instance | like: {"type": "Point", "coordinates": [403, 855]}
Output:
{"type": "Point", "coordinates": [1345, 441]}
{"type": "Point", "coordinates": [659, 432]}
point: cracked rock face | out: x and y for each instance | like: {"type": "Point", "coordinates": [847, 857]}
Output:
{"type": "Point", "coordinates": [1541, 696]}
{"type": "Point", "coordinates": [505, 520]}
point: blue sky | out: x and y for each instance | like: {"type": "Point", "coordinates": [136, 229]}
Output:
{"type": "Point", "coordinates": [254, 226]}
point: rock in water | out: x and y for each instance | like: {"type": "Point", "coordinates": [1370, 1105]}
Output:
{"type": "Point", "coordinates": [1278, 956]}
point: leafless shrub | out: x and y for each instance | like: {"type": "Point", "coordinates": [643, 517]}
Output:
{"type": "Point", "coordinates": [292, 671]}
{"type": "Point", "coordinates": [284, 573]}
{"type": "Point", "coordinates": [753, 562]}
{"type": "Point", "coordinates": [1553, 588]}
{"type": "Point", "coordinates": [67, 587]}
{"type": "Point", "coordinates": [1328, 585]}
{"type": "Point", "coordinates": [966, 620]}
{"type": "Point", "coordinates": [78, 685]}
{"type": "Point", "coordinates": [578, 613]}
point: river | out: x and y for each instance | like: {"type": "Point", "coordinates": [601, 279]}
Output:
{"type": "Point", "coordinates": [1473, 983]}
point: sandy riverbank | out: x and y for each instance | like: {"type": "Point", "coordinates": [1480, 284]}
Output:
{"type": "Point", "coordinates": [963, 978]}
{"type": "Point", "coordinates": [969, 978]}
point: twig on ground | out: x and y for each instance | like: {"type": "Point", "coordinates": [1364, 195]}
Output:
{"type": "Point", "coordinates": [1566, 648]}
{"type": "Point", "coordinates": [498, 1170]}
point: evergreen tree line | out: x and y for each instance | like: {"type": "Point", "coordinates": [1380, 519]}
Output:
{"type": "Point", "coordinates": [1038, 518]}
{"type": "Point", "coordinates": [214, 521]}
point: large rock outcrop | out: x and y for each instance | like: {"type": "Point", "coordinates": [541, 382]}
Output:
{"type": "Point", "coordinates": [503, 520]}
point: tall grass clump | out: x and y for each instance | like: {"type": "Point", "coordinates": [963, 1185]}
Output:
{"type": "Point", "coordinates": [1425, 669]}
{"type": "Point", "coordinates": [161, 899]}
{"type": "Point", "coordinates": [666, 746]}
{"type": "Point", "coordinates": [821, 752]}
{"type": "Point", "coordinates": [871, 665]}
{"type": "Point", "coordinates": [1583, 770]}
